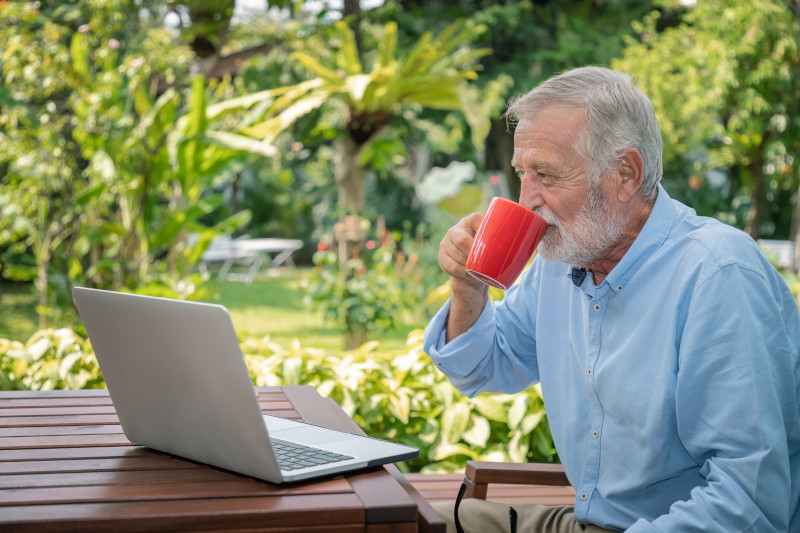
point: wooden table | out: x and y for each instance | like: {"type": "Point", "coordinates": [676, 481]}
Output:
{"type": "Point", "coordinates": [65, 465]}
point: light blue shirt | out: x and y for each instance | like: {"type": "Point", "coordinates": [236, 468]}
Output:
{"type": "Point", "coordinates": [671, 388]}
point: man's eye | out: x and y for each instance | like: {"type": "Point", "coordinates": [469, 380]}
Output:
{"type": "Point", "coordinates": [520, 175]}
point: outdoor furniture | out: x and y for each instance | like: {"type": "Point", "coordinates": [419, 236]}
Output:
{"type": "Point", "coordinates": [65, 465]}
{"type": "Point", "coordinates": [784, 252]}
{"type": "Point", "coordinates": [478, 475]}
{"type": "Point", "coordinates": [440, 487]}
{"type": "Point", "coordinates": [247, 252]}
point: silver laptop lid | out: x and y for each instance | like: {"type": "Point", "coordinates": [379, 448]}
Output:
{"type": "Point", "coordinates": [155, 352]}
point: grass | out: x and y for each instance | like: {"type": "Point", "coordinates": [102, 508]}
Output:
{"type": "Point", "coordinates": [18, 318]}
{"type": "Point", "coordinates": [272, 305]}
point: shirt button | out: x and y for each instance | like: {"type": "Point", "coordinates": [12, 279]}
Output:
{"type": "Point", "coordinates": [619, 287]}
{"type": "Point", "coordinates": [597, 307]}
{"type": "Point", "coordinates": [595, 433]}
{"type": "Point", "coordinates": [583, 496]}
{"type": "Point", "coordinates": [588, 371]}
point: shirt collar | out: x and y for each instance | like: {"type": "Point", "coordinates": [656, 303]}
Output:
{"type": "Point", "coordinates": [653, 234]}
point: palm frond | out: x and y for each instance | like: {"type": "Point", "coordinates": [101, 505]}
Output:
{"type": "Point", "coordinates": [269, 130]}
{"type": "Point", "coordinates": [316, 67]}
{"type": "Point", "coordinates": [347, 58]}
{"type": "Point", "coordinates": [388, 46]}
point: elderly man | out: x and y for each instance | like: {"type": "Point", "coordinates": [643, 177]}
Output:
{"type": "Point", "coordinates": [665, 343]}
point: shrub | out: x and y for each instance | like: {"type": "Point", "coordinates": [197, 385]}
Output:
{"type": "Point", "coordinates": [396, 396]}
{"type": "Point", "coordinates": [51, 359]}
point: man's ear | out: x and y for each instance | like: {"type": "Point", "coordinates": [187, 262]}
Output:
{"type": "Point", "coordinates": [631, 173]}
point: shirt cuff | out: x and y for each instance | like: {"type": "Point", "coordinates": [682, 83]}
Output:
{"type": "Point", "coordinates": [460, 357]}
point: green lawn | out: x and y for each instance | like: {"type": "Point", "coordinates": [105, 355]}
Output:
{"type": "Point", "coordinates": [18, 319]}
{"type": "Point", "coordinates": [272, 305]}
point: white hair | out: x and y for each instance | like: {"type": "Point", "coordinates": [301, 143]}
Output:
{"type": "Point", "coordinates": [618, 116]}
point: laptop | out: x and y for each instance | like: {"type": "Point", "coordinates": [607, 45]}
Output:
{"type": "Point", "coordinates": [179, 383]}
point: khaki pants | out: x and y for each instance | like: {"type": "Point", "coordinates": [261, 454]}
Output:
{"type": "Point", "coordinates": [480, 516]}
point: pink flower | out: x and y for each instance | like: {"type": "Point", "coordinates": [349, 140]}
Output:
{"type": "Point", "coordinates": [370, 245]}
{"type": "Point", "coordinates": [495, 180]}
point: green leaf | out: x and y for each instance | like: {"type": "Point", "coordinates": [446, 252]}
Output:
{"type": "Point", "coordinates": [347, 57]}
{"type": "Point", "coordinates": [517, 412]}
{"type": "Point", "coordinates": [241, 143]}
{"type": "Point", "coordinates": [89, 194]}
{"type": "Point", "coordinates": [142, 102]}
{"type": "Point", "coordinates": [466, 201]}
{"type": "Point", "coordinates": [489, 408]}
{"type": "Point", "coordinates": [271, 128]}
{"type": "Point", "coordinates": [17, 272]}
{"type": "Point", "coordinates": [292, 370]}
{"type": "Point", "coordinates": [454, 422]}
{"type": "Point", "coordinates": [400, 406]}
{"type": "Point", "coordinates": [388, 45]}
{"type": "Point", "coordinates": [446, 449]}
{"type": "Point", "coordinates": [438, 94]}
{"type": "Point", "coordinates": [219, 109]}
{"type": "Point", "coordinates": [518, 448]}
{"type": "Point", "coordinates": [316, 67]}
{"type": "Point", "coordinates": [476, 115]}
{"type": "Point", "coordinates": [6, 98]}
{"type": "Point", "coordinates": [531, 421]}
{"type": "Point", "coordinates": [79, 54]}
{"type": "Point", "coordinates": [190, 150]}
{"type": "Point", "coordinates": [479, 433]}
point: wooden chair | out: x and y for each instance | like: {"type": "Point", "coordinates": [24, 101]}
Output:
{"type": "Point", "coordinates": [478, 475]}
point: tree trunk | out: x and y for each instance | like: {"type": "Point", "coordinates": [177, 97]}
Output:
{"type": "Point", "coordinates": [349, 175]}
{"type": "Point", "coordinates": [758, 195]}
{"type": "Point", "coordinates": [756, 183]}
{"type": "Point", "coordinates": [43, 263]}
{"type": "Point", "coordinates": [793, 115]}
{"type": "Point", "coordinates": [353, 338]}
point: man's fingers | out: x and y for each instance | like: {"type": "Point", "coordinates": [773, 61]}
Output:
{"type": "Point", "coordinates": [473, 222]}
{"type": "Point", "coordinates": [455, 246]}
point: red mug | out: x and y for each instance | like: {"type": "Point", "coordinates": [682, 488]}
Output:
{"type": "Point", "coordinates": [506, 239]}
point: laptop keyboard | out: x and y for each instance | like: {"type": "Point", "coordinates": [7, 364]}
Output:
{"type": "Point", "coordinates": [292, 456]}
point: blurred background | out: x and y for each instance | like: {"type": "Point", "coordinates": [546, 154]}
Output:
{"type": "Point", "coordinates": [299, 161]}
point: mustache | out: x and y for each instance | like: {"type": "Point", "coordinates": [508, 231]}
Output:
{"type": "Point", "coordinates": [547, 215]}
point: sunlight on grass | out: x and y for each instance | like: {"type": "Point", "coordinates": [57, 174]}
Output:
{"type": "Point", "coordinates": [270, 306]}
{"type": "Point", "coordinates": [274, 306]}
{"type": "Point", "coordinates": [18, 319]}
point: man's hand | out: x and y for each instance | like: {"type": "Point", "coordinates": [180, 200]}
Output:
{"type": "Point", "coordinates": [468, 294]}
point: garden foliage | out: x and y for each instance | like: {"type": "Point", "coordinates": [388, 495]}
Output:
{"type": "Point", "coordinates": [397, 396]}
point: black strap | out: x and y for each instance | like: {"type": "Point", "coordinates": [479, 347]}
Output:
{"type": "Point", "coordinates": [512, 513]}
{"type": "Point", "coordinates": [461, 492]}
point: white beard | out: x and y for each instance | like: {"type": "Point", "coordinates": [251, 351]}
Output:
{"type": "Point", "coordinates": [596, 228]}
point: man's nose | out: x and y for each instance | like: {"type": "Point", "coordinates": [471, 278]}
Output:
{"type": "Point", "coordinates": [530, 194]}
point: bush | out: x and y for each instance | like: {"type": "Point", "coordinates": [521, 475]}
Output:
{"type": "Point", "coordinates": [396, 396]}
{"type": "Point", "coordinates": [51, 359]}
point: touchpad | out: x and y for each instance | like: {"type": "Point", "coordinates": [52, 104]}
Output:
{"type": "Point", "coordinates": [311, 436]}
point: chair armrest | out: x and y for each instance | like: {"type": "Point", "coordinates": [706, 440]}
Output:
{"type": "Point", "coordinates": [428, 519]}
{"type": "Point", "coordinates": [478, 475]}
